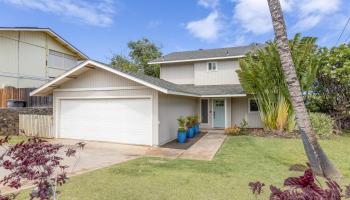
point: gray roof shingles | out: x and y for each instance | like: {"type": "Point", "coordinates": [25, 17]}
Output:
{"type": "Point", "coordinates": [209, 53]}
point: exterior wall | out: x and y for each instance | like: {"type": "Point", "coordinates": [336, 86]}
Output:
{"type": "Point", "coordinates": [178, 73]}
{"type": "Point", "coordinates": [99, 78]}
{"type": "Point", "coordinates": [101, 84]}
{"type": "Point", "coordinates": [172, 107]}
{"type": "Point", "coordinates": [226, 73]}
{"type": "Point", "coordinates": [240, 110]}
{"type": "Point", "coordinates": [196, 73]}
{"type": "Point", "coordinates": [23, 58]}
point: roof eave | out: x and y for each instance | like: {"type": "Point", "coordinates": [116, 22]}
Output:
{"type": "Point", "coordinates": [197, 59]}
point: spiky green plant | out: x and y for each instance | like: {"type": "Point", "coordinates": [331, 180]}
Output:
{"type": "Point", "coordinates": [261, 74]}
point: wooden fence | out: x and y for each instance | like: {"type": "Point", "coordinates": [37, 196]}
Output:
{"type": "Point", "coordinates": [23, 94]}
{"type": "Point", "coordinates": [36, 125]}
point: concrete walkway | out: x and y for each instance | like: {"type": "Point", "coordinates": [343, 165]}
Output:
{"type": "Point", "coordinates": [206, 147]}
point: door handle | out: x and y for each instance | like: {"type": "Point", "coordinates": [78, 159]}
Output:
{"type": "Point", "coordinates": [214, 114]}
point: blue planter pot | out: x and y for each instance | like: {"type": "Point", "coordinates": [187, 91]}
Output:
{"type": "Point", "coordinates": [190, 132]}
{"type": "Point", "coordinates": [181, 136]}
{"type": "Point", "coordinates": [197, 128]}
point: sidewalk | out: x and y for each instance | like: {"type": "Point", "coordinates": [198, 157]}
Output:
{"type": "Point", "coordinates": [206, 147]}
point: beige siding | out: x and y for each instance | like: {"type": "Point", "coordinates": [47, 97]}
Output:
{"type": "Point", "coordinates": [99, 78]}
{"type": "Point", "coordinates": [226, 73]}
{"type": "Point", "coordinates": [240, 111]}
{"type": "Point", "coordinates": [54, 45]}
{"type": "Point", "coordinates": [172, 107]}
{"type": "Point", "coordinates": [101, 84]}
{"type": "Point", "coordinates": [182, 73]}
{"type": "Point", "coordinates": [8, 81]}
{"type": "Point", "coordinates": [8, 55]}
{"type": "Point", "coordinates": [23, 56]}
{"type": "Point", "coordinates": [32, 60]}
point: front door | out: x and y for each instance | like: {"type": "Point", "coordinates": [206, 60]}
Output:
{"type": "Point", "coordinates": [219, 113]}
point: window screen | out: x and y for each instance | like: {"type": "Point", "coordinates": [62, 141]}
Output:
{"type": "Point", "coordinates": [204, 111]}
{"type": "Point", "coordinates": [253, 105]}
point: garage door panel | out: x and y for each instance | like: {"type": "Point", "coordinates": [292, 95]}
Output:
{"type": "Point", "coordinates": [115, 120]}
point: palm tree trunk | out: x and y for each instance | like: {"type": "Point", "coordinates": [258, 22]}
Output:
{"type": "Point", "coordinates": [319, 162]}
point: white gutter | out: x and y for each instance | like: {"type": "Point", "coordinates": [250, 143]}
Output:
{"type": "Point", "coordinates": [197, 59]}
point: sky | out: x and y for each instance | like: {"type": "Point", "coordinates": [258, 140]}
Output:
{"type": "Point", "coordinates": [101, 28]}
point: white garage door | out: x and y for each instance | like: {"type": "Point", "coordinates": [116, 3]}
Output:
{"type": "Point", "coordinates": [115, 120]}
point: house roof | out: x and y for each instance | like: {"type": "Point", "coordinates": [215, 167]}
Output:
{"type": "Point", "coordinates": [49, 31]}
{"type": "Point", "coordinates": [152, 82]}
{"type": "Point", "coordinates": [207, 54]}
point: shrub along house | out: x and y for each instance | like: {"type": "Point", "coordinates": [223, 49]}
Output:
{"type": "Point", "coordinates": [95, 102]}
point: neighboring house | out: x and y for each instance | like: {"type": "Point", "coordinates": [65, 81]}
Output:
{"type": "Point", "coordinates": [30, 57]}
{"type": "Point", "coordinates": [96, 102]}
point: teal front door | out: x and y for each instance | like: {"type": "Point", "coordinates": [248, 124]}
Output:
{"type": "Point", "coordinates": [219, 113]}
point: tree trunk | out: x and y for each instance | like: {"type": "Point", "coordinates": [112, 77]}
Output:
{"type": "Point", "coordinates": [319, 162]}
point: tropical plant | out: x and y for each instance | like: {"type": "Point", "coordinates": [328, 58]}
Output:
{"type": "Point", "coordinates": [35, 161]}
{"type": "Point", "coordinates": [322, 124]}
{"type": "Point", "coordinates": [182, 123]}
{"type": "Point", "coordinates": [332, 89]}
{"type": "Point", "coordinates": [319, 161]}
{"type": "Point", "coordinates": [261, 74]}
{"type": "Point", "coordinates": [244, 125]}
{"type": "Point", "coordinates": [303, 187]}
{"type": "Point", "coordinates": [189, 121]}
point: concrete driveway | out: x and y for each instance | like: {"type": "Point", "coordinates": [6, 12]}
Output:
{"type": "Point", "coordinates": [97, 155]}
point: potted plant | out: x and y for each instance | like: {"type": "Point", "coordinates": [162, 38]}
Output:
{"type": "Point", "coordinates": [190, 129]}
{"type": "Point", "coordinates": [196, 122]}
{"type": "Point", "coordinates": [181, 131]}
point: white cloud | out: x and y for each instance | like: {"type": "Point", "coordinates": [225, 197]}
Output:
{"type": "Point", "coordinates": [206, 29]}
{"type": "Point", "coordinates": [254, 15]}
{"type": "Point", "coordinates": [307, 23]}
{"type": "Point", "coordinates": [209, 3]}
{"type": "Point", "coordinates": [97, 13]}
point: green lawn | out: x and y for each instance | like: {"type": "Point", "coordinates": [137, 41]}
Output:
{"type": "Point", "coordinates": [15, 139]}
{"type": "Point", "coordinates": [241, 159]}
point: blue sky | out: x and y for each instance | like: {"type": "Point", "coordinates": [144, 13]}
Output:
{"type": "Point", "coordinates": [101, 28]}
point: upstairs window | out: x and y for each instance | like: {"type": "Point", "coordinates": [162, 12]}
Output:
{"type": "Point", "coordinates": [61, 60]}
{"type": "Point", "coordinates": [212, 66]}
{"type": "Point", "coordinates": [253, 105]}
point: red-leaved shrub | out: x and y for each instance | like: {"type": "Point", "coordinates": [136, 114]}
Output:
{"type": "Point", "coordinates": [303, 188]}
{"type": "Point", "coordinates": [35, 161]}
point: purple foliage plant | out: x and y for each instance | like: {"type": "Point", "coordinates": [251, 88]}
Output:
{"type": "Point", "coordinates": [37, 162]}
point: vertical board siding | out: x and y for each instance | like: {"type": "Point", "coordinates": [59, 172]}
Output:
{"type": "Point", "coordinates": [36, 125]}
{"type": "Point", "coordinates": [225, 74]}
{"type": "Point", "coordinates": [240, 111]}
{"type": "Point", "coordinates": [24, 95]}
{"type": "Point", "coordinates": [98, 78]}
{"type": "Point", "coordinates": [182, 73]}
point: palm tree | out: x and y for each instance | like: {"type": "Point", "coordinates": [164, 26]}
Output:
{"type": "Point", "coordinates": [319, 162]}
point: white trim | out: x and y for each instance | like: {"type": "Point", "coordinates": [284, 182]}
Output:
{"type": "Point", "coordinates": [249, 106]}
{"type": "Point", "coordinates": [99, 66]}
{"type": "Point", "coordinates": [58, 107]}
{"type": "Point", "coordinates": [100, 88]}
{"type": "Point", "coordinates": [15, 75]}
{"type": "Point", "coordinates": [196, 59]}
{"type": "Point", "coordinates": [182, 94]}
{"type": "Point", "coordinates": [216, 66]}
{"type": "Point", "coordinates": [224, 95]}
{"type": "Point", "coordinates": [200, 110]}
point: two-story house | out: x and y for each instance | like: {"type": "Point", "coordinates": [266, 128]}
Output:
{"type": "Point", "coordinates": [96, 102]}
{"type": "Point", "coordinates": [30, 57]}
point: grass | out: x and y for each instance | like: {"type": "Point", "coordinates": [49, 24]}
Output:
{"type": "Point", "coordinates": [15, 139]}
{"type": "Point", "coordinates": [240, 160]}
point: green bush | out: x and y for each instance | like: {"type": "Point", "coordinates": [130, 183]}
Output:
{"type": "Point", "coordinates": [322, 124]}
